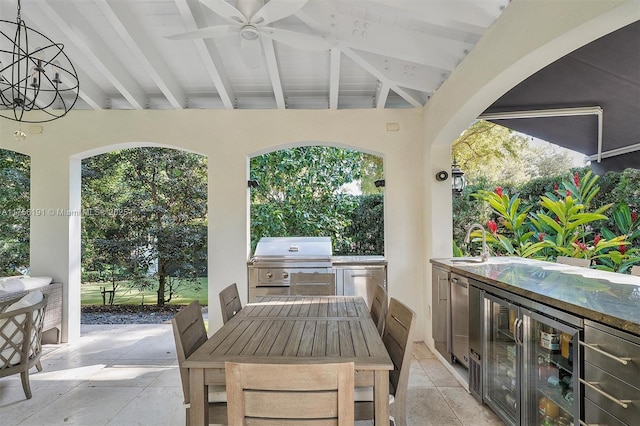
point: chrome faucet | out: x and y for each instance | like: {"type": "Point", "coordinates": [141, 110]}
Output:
{"type": "Point", "coordinates": [484, 254]}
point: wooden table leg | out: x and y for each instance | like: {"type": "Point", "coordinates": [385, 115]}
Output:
{"type": "Point", "coordinates": [199, 409]}
{"type": "Point", "coordinates": [381, 397]}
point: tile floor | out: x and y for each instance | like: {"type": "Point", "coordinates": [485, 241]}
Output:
{"type": "Point", "coordinates": [127, 375]}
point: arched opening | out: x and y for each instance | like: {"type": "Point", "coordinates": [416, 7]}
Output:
{"type": "Point", "coordinates": [144, 228]}
{"type": "Point", "coordinates": [15, 199]}
{"type": "Point", "coordinates": [316, 190]}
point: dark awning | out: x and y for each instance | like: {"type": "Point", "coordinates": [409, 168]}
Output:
{"type": "Point", "coordinates": [604, 73]}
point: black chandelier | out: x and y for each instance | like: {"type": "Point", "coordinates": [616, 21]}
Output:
{"type": "Point", "coordinates": [34, 81]}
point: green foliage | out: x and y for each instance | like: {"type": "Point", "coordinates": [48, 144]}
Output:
{"type": "Point", "coordinates": [516, 239]}
{"type": "Point", "coordinates": [365, 233]}
{"type": "Point", "coordinates": [565, 223]}
{"type": "Point", "coordinates": [146, 218]}
{"type": "Point", "coordinates": [14, 213]}
{"type": "Point", "coordinates": [484, 148]}
{"type": "Point", "coordinates": [302, 192]}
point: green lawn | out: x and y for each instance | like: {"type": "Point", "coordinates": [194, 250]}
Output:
{"type": "Point", "coordinates": [90, 295]}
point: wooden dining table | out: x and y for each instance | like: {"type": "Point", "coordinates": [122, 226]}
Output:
{"type": "Point", "coordinates": [294, 329]}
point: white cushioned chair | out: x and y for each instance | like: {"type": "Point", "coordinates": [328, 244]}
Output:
{"type": "Point", "coordinates": [21, 322]}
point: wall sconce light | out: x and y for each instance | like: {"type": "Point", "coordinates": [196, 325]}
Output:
{"type": "Point", "coordinates": [252, 183]}
{"type": "Point", "coordinates": [379, 183]}
{"type": "Point", "coordinates": [457, 178]}
{"type": "Point", "coordinates": [442, 175]}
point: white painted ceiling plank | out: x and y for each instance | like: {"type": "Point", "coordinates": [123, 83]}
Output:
{"type": "Point", "coordinates": [407, 95]}
{"type": "Point", "coordinates": [119, 15]}
{"type": "Point", "coordinates": [382, 94]}
{"type": "Point", "coordinates": [387, 40]}
{"type": "Point", "coordinates": [334, 78]}
{"type": "Point", "coordinates": [194, 19]}
{"type": "Point", "coordinates": [96, 50]}
{"type": "Point", "coordinates": [274, 72]}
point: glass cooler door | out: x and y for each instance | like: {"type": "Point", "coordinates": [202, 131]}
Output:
{"type": "Point", "coordinates": [550, 375]}
{"type": "Point", "coordinates": [501, 375]}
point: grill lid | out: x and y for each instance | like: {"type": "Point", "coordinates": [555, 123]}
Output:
{"type": "Point", "coordinates": [293, 248]}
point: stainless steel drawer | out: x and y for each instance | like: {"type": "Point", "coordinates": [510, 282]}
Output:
{"type": "Point", "coordinates": [595, 415]}
{"type": "Point", "coordinates": [612, 394]}
{"type": "Point", "coordinates": [624, 359]}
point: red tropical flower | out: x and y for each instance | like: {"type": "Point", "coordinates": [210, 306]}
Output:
{"type": "Point", "coordinates": [634, 216]}
{"type": "Point", "coordinates": [492, 226]}
{"type": "Point", "coordinates": [582, 246]}
{"type": "Point", "coordinates": [576, 179]}
{"type": "Point", "coordinates": [568, 193]}
{"type": "Point", "coordinates": [622, 248]}
{"type": "Point", "coordinates": [498, 191]}
{"type": "Point", "coordinates": [541, 236]}
{"type": "Point", "coordinates": [555, 186]}
{"type": "Point", "coordinates": [596, 239]}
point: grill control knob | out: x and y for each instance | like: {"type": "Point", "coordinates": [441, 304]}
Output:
{"type": "Point", "coordinates": [285, 275]}
{"type": "Point", "coordinates": [269, 275]}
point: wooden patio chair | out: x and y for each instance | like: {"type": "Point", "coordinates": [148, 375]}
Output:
{"type": "Point", "coordinates": [312, 284]}
{"type": "Point", "coordinates": [21, 324]}
{"type": "Point", "coordinates": [573, 261]}
{"type": "Point", "coordinates": [295, 394]}
{"type": "Point", "coordinates": [230, 302]}
{"type": "Point", "coordinates": [379, 308]}
{"type": "Point", "coordinates": [189, 334]}
{"type": "Point", "coordinates": [398, 339]}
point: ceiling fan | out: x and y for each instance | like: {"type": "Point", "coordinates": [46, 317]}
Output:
{"type": "Point", "coordinates": [251, 21]}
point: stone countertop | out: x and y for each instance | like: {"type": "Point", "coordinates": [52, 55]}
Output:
{"type": "Point", "coordinates": [606, 297]}
{"type": "Point", "coordinates": [358, 260]}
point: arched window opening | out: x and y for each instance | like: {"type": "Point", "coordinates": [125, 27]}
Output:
{"type": "Point", "coordinates": [319, 191]}
{"type": "Point", "coordinates": [144, 228]}
{"type": "Point", "coordinates": [15, 198]}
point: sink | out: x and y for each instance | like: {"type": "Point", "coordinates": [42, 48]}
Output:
{"type": "Point", "coordinates": [466, 260]}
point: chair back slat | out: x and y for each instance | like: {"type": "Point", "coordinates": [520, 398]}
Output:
{"type": "Point", "coordinates": [398, 339]}
{"type": "Point", "coordinates": [312, 284]}
{"type": "Point", "coordinates": [379, 308]}
{"type": "Point", "coordinates": [189, 334]}
{"type": "Point", "coordinates": [280, 394]}
{"type": "Point", "coordinates": [230, 303]}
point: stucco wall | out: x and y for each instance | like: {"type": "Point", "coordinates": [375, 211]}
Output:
{"type": "Point", "coordinates": [228, 139]}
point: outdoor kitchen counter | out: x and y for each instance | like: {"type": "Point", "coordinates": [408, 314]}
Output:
{"type": "Point", "coordinates": [606, 297]}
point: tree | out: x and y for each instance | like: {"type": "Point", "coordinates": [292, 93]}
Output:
{"type": "Point", "coordinates": [151, 207]}
{"type": "Point", "coordinates": [494, 153]}
{"type": "Point", "coordinates": [14, 219]}
{"type": "Point", "coordinates": [301, 192]}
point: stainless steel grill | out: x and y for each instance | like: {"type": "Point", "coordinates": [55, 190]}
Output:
{"type": "Point", "coordinates": [276, 258]}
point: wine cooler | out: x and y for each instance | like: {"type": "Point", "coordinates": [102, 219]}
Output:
{"type": "Point", "coordinates": [531, 368]}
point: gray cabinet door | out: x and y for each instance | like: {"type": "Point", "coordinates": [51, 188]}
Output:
{"type": "Point", "coordinates": [440, 311]}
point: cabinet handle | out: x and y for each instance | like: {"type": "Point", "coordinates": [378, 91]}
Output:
{"type": "Point", "coordinates": [365, 275]}
{"type": "Point", "coordinates": [517, 331]}
{"type": "Point", "coordinates": [590, 424]}
{"type": "Point", "coordinates": [623, 403]}
{"type": "Point", "coordinates": [623, 361]}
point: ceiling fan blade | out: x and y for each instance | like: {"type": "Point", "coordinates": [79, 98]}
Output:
{"type": "Point", "coordinates": [226, 11]}
{"type": "Point", "coordinates": [208, 32]}
{"type": "Point", "coordinates": [251, 51]}
{"type": "Point", "coordinates": [298, 40]}
{"type": "Point", "coordinates": [275, 10]}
